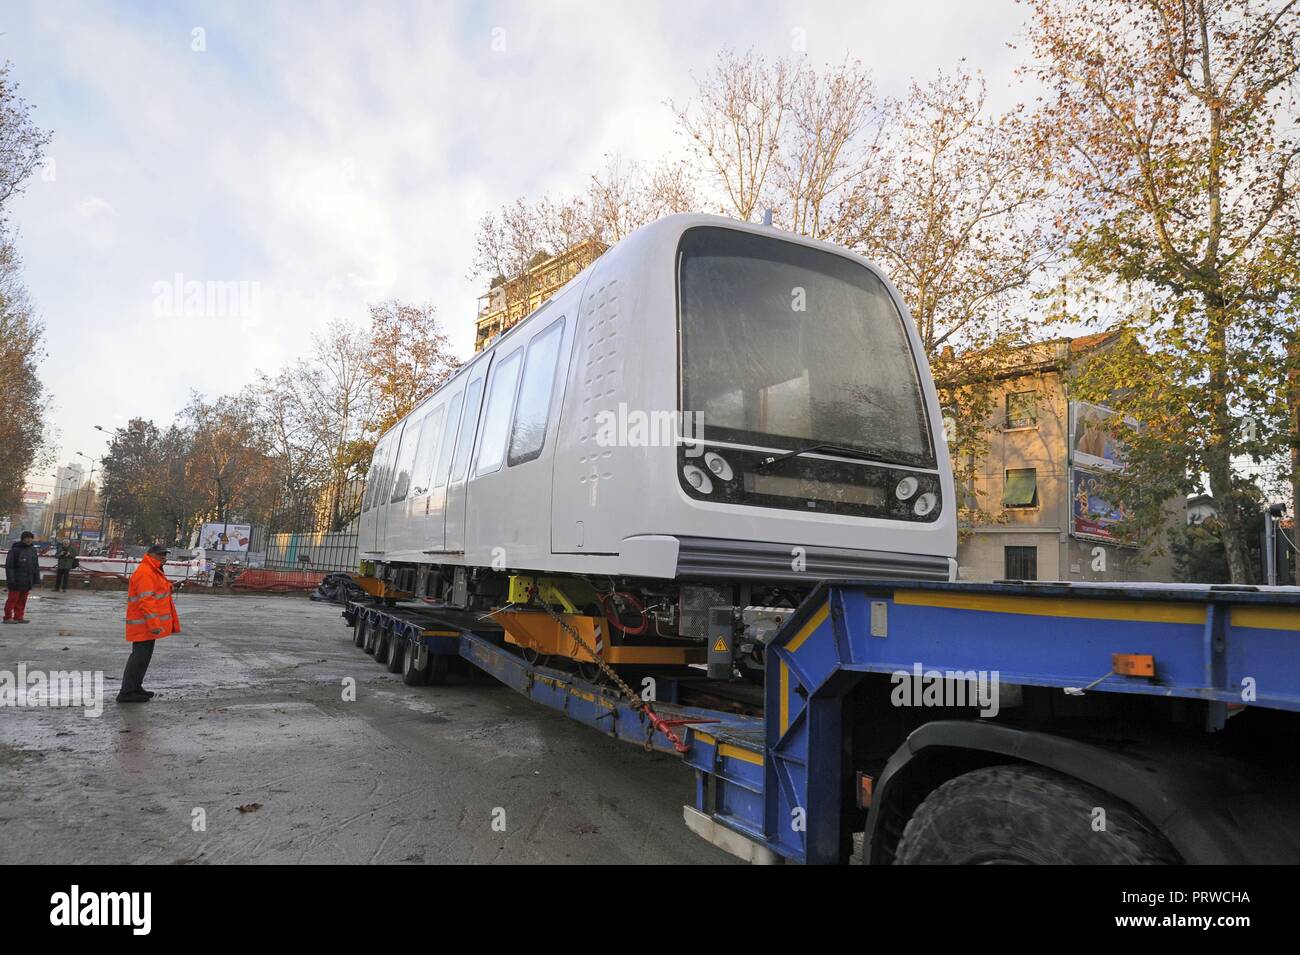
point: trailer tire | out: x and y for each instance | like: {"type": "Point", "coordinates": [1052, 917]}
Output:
{"type": "Point", "coordinates": [439, 663]}
{"type": "Point", "coordinates": [413, 675]}
{"type": "Point", "coordinates": [383, 639]}
{"type": "Point", "coordinates": [398, 647]}
{"type": "Point", "coordinates": [359, 632]}
{"type": "Point", "coordinates": [1027, 815]}
{"type": "Point", "coordinates": [372, 636]}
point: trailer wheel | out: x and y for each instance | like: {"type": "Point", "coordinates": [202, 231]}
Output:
{"type": "Point", "coordinates": [412, 673]}
{"type": "Point", "coordinates": [372, 636]}
{"type": "Point", "coordinates": [1027, 815]}
{"type": "Point", "coordinates": [383, 638]}
{"type": "Point", "coordinates": [439, 663]}
{"type": "Point", "coordinates": [359, 632]}
{"type": "Point", "coordinates": [398, 648]}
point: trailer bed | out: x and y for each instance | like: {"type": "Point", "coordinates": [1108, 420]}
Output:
{"type": "Point", "coordinates": [1227, 648]}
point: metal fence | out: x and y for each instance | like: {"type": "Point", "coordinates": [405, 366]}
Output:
{"type": "Point", "coordinates": [313, 531]}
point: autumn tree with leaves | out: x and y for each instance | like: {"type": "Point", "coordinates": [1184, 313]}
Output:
{"type": "Point", "coordinates": [22, 335]}
{"type": "Point", "coordinates": [1170, 125]}
{"type": "Point", "coordinates": [408, 357]}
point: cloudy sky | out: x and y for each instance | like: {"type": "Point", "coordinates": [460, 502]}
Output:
{"type": "Point", "coordinates": [329, 155]}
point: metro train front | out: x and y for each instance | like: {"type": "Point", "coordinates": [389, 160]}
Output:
{"type": "Point", "coordinates": [736, 414]}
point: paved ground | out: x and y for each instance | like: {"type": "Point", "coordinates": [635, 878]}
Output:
{"type": "Point", "coordinates": [250, 710]}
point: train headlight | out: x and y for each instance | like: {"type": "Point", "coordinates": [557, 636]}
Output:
{"type": "Point", "coordinates": [697, 479]}
{"type": "Point", "coordinates": [906, 488]}
{"type": "Point", "coordinates": [925, 504]}
{"type": "Point", "coordinates": [718, 465]}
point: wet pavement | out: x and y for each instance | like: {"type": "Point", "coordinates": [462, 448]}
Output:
{"type": "Point", "coordinates": [251, 713]}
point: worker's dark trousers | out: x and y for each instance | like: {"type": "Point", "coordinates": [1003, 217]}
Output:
{"type": "Point", "coordinates": [136, 665]}
{"type": "Point", "coordinates": [61, 579]}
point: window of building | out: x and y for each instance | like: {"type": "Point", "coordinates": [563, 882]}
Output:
{"type": "Point", "coordinates": [1021, 488]}
{"type": "Point", "coordinates": [496, 419]}
{"type": "Point", "coordinates": [533, 409]}
{"type": "Point", "coordinates": [1022, 409]}
{"type": "Point", "coordinates": [1020, 563]}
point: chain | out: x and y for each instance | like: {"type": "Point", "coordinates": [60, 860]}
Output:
{"type": "Point", "coordinates": [637, 703]}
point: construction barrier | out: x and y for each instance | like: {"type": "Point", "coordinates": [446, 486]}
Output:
{"type": "Point", "coordinates": [278, 581]}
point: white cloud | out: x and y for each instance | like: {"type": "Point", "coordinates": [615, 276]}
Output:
{"type": "Point", "coordinates": [338, 155]}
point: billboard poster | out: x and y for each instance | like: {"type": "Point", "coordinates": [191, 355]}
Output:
{"type": "Point", "coordinates": [1092, 515]}
{"type": "Point", "coordinates": [76, 526]}
{"type": "Point", "coordinates": [1093, 443]}
{"type": "Point", "coordinates": [226, 537]}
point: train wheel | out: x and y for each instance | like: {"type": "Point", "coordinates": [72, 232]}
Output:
{"type": "Point", "coordinates": [359, 632]}
{"type": "Point", "coordinates": [398, 649]}
{"type": "Point", "coordinates": [1027, 815]}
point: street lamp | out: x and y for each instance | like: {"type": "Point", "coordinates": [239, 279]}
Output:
{"type": "Point", "coordinates": [90, 480]}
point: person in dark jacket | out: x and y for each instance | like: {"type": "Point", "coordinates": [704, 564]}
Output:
{"type": "Point", "coordinates": [67, 562]}
{"type": "Point", "coordinates": [22, 573]}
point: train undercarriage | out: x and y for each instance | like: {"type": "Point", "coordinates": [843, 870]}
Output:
{"type": "Point", "coordinates": [627, 624]}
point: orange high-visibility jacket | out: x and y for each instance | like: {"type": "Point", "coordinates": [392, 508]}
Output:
{"type": "Point", "coordinates": [150, 611]}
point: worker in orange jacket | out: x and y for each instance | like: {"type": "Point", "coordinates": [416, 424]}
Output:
{"type": "Point", "coordinates": [150, 615]}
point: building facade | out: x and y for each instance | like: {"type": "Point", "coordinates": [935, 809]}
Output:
{"type": "Point", "coordinates": [1039, 514]}
{"type": "Point", "coordinates": [510, 300]}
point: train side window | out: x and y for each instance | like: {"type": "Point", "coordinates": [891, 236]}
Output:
{"type": "Point", "coordinates": [391, 449]}
{"type": "Point", "coordinates": [422, 469]}
{"type": "Point", "coordinates": [405, 457]}
{"type": "Point", "coordinates": [533, 407]}
{"type": "Point", "coordinates": [468, 423]}
{"type": "Point", "coordinates": [376, 479]}
{"type": "Point", "coordinates": [372, 479]}
{"type": "Point", "coordinates": [496, 420]}
{"type": "Point", "coordinates": [448, 442]}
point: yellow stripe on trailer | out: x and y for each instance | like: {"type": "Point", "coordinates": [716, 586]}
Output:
{"type": "Point", "coordinates": [740, 753]}
{"type": "Point", "coordinates": [1267, 618]}
{"type": "Point", "coordinates": [807, 629]}
{"type": "Point", "coordinates": [1079, 607]}
{"type": "Point", "coordinates": [727, 749]}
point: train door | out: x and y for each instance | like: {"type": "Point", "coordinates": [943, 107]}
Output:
{"type": "Point", "coordinates": [395, 439]}
{"type": "Point", "coordinates": [417, 501]}
{"type": "Point", "coordinates": [411, 477]}
{"type": "Point", "coordinates": [435, 509]}
{"type": "Point", "coordinates": [458, 486]}
{"type": "Point", "coordinates": [370, 538]}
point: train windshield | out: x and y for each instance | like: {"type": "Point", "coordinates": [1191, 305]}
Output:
{"type": "Point", "coordinates": [789, 346]}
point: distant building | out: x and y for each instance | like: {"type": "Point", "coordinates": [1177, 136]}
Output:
{"type": "Point", "coordinates": [1035, 489]}
{"type": "Point", "coordinates": [509, 300]}
{"type": "Point", "coordinates": [31, 516]}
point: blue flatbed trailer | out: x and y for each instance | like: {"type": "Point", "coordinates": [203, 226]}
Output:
{"type": "Point", "coordinates": [1175, 703]}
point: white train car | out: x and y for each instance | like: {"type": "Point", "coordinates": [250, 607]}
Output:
{"type": "Point", "coordinates": [712, 412]}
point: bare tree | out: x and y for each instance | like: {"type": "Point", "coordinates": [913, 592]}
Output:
{"type": "Point", "coordinates": [21, 141]}
{"type": "Point", "coordinates": [829, 150]}
{"type": "Point", "coordinates": [734, 124]}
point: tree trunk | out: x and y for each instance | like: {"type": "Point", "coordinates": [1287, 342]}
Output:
{"type": "Point", "coordinates": [1219, 449]}
{"type": "Point", "coordinates": [1293, 419]}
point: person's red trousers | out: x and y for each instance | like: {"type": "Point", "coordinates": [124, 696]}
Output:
{"type": "Point", "coordinates": [15, 604]}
